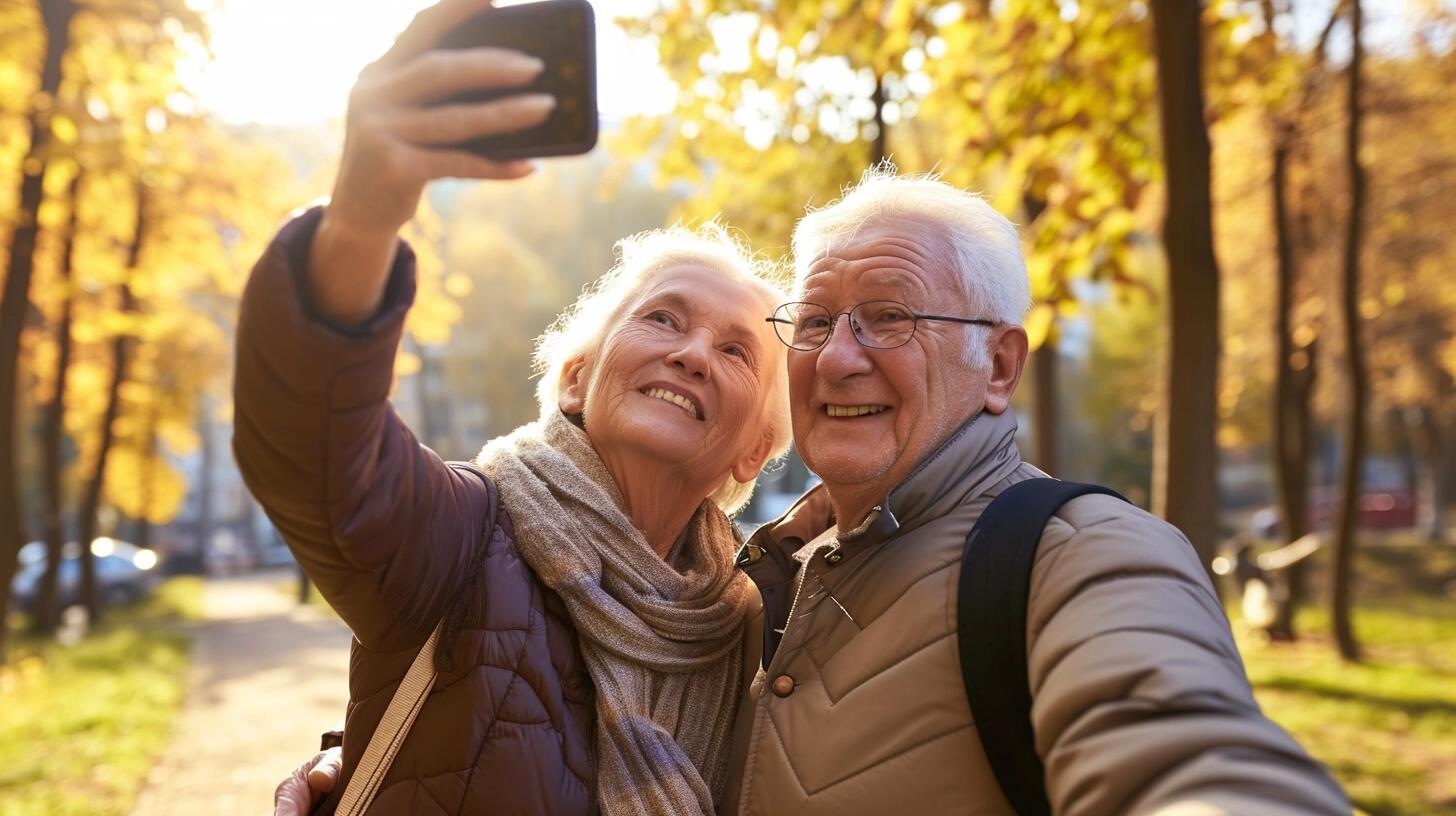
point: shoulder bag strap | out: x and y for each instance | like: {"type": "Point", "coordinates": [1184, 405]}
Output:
{"type": "Point", "coordinates": [991, 600]}
{"type": "Point", "coordinates": [404, 706]}
{"type": "Point", "coordinates": [407, 701]}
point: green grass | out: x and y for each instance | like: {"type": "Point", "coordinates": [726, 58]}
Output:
{"type": "Point", "coordinates": [1386, 726]}
{"type": "Point", "coordinates": [80, 726]}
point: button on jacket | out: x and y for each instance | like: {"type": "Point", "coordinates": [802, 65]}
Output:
{"type": "Point", "coordinates": [1140, 701]}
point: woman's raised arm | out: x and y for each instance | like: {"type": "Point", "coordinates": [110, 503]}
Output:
{"type": "Point", "coordinates": [398, 138]}
{"type": "Point", "coordinates": [378, 521]}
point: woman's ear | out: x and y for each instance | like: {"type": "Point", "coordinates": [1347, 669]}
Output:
{"type": "Point", "coordinates": [571, 395]}
{"type": "Point", "coordinates": [747, 468]}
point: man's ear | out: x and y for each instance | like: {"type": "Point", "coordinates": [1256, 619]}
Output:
{"type": "Point", "coordinates": [1008, 357]}
{"type": "Point", "coordinates": [747, 468]}
{"type": "Point", "coordinates": [571, 394]}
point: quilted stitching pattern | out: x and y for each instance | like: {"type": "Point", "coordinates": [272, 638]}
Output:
{"type": "Point", "coordinates": [392, 537]}
{"type": "Point", "coordinates": [506, 731]}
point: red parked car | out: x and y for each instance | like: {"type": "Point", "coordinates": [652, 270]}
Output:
{"type": "Point", "coordinates": [1380, 509]}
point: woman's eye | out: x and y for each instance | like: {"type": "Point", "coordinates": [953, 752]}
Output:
{"type": "Point", "coordinates": [663, 318]}
{"type": "Point", "coordinates": [736, 351]}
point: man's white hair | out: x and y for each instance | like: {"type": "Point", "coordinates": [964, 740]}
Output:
{"type": "Point", "coordinates": [581, 329]}
{"type": "Point", "coordinates": [984, 246]}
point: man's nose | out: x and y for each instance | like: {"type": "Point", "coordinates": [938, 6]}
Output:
{"type": "Point", "coordinates": [693, 357]}
{"type": "Point", "coordinates": [842, 355]}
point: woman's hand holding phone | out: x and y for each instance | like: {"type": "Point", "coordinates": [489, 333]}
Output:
{"type": "Point", "coordinates": [398, 138]}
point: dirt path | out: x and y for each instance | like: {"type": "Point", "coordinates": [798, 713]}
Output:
{"type": "Point", "coordinates": [267, 677]}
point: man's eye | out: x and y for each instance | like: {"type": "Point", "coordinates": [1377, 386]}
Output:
{"type": "Point", "coordinates": [736, 351]}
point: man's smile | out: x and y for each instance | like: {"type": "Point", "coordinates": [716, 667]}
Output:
{"type": "Point", "coordinates": [846, 411]}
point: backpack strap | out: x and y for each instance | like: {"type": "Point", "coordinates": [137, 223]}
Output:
{"type": "Point", "coordinates": [991, 630]}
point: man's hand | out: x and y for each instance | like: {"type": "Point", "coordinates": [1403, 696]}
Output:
{"type": "Point", "coordinates": [306, 786]}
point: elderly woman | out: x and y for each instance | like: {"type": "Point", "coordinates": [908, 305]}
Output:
{"type": "Point", "coordinates": [592, 652]}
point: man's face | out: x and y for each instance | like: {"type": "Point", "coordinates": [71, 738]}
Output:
{"type": "Point", "coordinates": [918, 394]}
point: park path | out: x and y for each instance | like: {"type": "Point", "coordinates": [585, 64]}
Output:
{"type": "Point", "coordinates": [267, 676]}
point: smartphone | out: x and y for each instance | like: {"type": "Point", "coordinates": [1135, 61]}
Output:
{"type": "Point", "coordinates": [562, 33]}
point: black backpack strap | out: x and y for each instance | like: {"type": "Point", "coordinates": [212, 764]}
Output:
{"type": "Point", "coordinates": [991, 620]}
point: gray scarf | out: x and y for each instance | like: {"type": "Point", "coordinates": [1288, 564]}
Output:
{"type": "Point", "coordinates": [664, 648]}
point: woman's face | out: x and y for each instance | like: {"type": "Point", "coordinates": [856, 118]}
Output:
{"type": "Point", "coordinates": [682, 380]}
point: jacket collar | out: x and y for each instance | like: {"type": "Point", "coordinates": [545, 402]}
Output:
{"type": "Point", "coordinates": [979, 454]}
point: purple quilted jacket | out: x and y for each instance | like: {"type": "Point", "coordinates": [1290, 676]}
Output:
{"type": "Point", "coordinates": [396, 540]}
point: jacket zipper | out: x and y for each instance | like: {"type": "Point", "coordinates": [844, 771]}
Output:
{"type": "Point", "coordinates": [798, 590]}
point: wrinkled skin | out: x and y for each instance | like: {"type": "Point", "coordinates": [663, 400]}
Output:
{"type": "Point", "coordinates": [301, 792]}
{"type": "Point", "coordinates": [927, 388]}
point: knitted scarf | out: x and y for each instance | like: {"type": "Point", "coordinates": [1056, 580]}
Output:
{"type": "Point", "coordinates": [664, 648]}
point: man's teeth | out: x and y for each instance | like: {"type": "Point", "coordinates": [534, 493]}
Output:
{"type": "Point", "coordinates": [855, 410]}
{"type": "Point", "coordinates": [676, 399]}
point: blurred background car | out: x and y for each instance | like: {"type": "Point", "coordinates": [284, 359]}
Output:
{"type": "Point", "coordinates": [1391, 509]}
{"type": "Point", "coordinates": [124, 573]}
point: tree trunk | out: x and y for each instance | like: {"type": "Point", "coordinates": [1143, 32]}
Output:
{"type": "Point", "coordinates": [205, 484]}
{"type": "Point", "coordinates": [1444, 460]}
{"type": "Point", "coordinates": [120, 356]}
{"type": "Point", "coordinates": [46, 613]}
{"type": "Point", "coordinates": [1356, 385]}
{"type": "Point", "coordinates": [55, 17]}
{"type": "Point", "coordinates": [91, 500]}
{"type": "Point", "coordinates": [1400, 445]}
{"type": "Point", "coordinates": [880, 150]}
{"type": "Point", "coordinates": [1430, 495]}
{"type": "Point", "coordinates": [1185, 456]}
{"type": "Point", "coordinates": [143, 535]}
{"type": "Point", "coordinates": [149, 472]}
{"type": "Point", "coordinates": [1293, 383]}
{"type": "Point", "coordinates": [1044, 371]}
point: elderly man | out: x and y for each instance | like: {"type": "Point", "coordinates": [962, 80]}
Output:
{"type": "Point", "coordinates": [906, 348]}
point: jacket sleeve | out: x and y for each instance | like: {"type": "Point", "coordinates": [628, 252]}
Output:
{"type": "Point", "coordinates": [383, 527]}
{"type": "Point", "coordinates": [1141, 704]}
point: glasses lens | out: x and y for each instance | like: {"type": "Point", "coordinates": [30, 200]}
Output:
{"type": "Point", "coordinates": [883, 323]}
{"type": "Point", "coordinates": [803, 326]}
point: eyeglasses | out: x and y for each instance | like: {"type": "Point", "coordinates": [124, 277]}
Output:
{"type": "Point", "coordinates": [876, 324]}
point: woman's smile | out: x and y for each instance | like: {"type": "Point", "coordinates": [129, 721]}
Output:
{"type": "Point", "coordinates": [682, 401]}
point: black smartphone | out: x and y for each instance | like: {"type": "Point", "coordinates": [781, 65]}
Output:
{"type": "Point", "coordinates": [562, 33]}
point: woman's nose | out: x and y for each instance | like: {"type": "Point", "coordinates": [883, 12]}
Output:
{"type": "Point", "coordinates": [692, 358]}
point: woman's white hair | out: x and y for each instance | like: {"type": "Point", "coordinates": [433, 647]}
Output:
{"type": "Point", "coordinates": [580, 330]}
{"type": "Point", "coordinates": [984, 246]}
